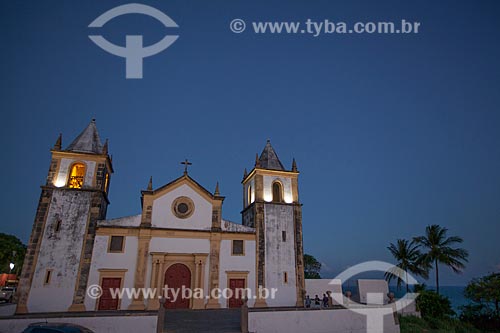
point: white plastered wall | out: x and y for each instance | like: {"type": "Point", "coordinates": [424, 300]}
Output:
{"type": "Point", "coordinates": [181, 246]}
{"type": "Point", "coordinates": [101, 259]}
{"type": "Point", "coordinates": [287, 188]}
{"type": "Point", "coordinates": [244, 263]}
{"type": "Point", "coordinates": [163, 217]}
{"type": "Point", "coordinates": [60, 252]}
{"type": "Point", "coordinates": [280, 255]}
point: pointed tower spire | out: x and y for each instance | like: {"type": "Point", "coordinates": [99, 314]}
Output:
{"type": "Point", "coordinates": [105, 148]}
{"type": "Point", "coordinates": [58, 144]}
{"type": "Point", "coordinates": [217, 192]}
{"type": "Point", "coordinates": [150, 184]}
{"type": "Point", "coordinates": [257, 161]}
{"type": "Point", "coordinates": [245, 173]}
{"type": "Point", "coordinates": [294, 165]}
{"type": "Point", "coordinates": [269, 159]}
{"type": "Point", "coordinates": [88, 141]}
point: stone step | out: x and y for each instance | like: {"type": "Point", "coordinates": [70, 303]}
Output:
{"type": "Point", "coordinates": [203, 321]}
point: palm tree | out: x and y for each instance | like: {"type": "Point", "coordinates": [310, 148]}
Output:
{"type": "Point", "coordinates": [409, 259]}
{"type": "Point", "coordinates": [440, 250]}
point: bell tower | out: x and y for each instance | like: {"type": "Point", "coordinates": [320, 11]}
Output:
{"type": "Point", "coordinates": [271, 205]}
{"type": "Point", "coordinates": [59, 253]}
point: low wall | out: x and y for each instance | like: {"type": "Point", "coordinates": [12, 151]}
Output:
{"type": "Point", "coordinates": [322, 321]}
{"type": "Point", "coordinates": [7, 309]}
{"type": "Point", "coordinates": [102, 323]}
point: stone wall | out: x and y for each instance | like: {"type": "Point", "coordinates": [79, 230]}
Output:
{"type": "Point", "coordinates": [32, 250]}
{"type": "Point", "coordinates": [60, 251]}
{"type": "Point", "coordinates": [98, 210]}
{"type": "Point", "coordinates": [280, 254]}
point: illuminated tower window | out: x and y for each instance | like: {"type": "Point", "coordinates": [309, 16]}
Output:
{"type": "Point", "coordinates": [249, 195]}
{"type": "Point", "coordinates": [76, 175]}
{"type": "Point", "coordinates": [277, 192]}
{"type": "Point", "coordinates": [106, 182]}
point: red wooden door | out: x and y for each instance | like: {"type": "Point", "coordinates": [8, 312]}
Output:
{"type": "Point", "coordinates": [177, 276]}
{"type": "Point", "coordinates": [236, 300]}
{"type": "Point", "coordinates": [106, 302]}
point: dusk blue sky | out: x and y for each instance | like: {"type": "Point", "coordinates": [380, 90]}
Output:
{"type": "Point", "coordinates": [390, 132]}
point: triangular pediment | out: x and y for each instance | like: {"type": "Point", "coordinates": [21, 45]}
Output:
{"type": "Point", "coordinates": [183, 180]}
{"type": "Point", "coordinates": [181, 204]}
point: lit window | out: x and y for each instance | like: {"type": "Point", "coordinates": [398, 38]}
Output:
{"type": "Point", "coordinates": [249, 195]}
{"type": "Point", "coordinates": [106, 182]}
{"type": "Point", "coordinates": [277, 192]}
{"type": "Point", "coordinates": [76, 175]}
{"type": "Point", "coordinates": [237, 249]}
{"type": "Point", "coordinates": [116, 244]}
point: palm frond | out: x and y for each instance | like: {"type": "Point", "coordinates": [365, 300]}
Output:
{"type": "Point", "coordinates": [438, 249]}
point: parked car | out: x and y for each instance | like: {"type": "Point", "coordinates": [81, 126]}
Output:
{"type": "Point", "coordinates": [55, 328]}
{"type": "Point", "coordinates": [7, 293]}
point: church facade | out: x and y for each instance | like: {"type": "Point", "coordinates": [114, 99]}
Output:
{"type": "Point", "coordinates": [180, 239]}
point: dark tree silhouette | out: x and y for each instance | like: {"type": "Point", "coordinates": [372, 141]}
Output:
{"type": "Point", "coordinates": [440, 250]}
{"type": "Point", "coordinates": [409, 259]}
{"type": "Point", "coordinates": [12, 250]}
{"type": "Point", "coordinates": [312, 267]}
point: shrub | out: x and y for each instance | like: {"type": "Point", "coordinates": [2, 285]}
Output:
{"type": "Point", "coordinates": [432, 305]}
{"type": "Point", "coordinates": [484, 310]}
{"type": "Point", "coordinates": [412, 324]}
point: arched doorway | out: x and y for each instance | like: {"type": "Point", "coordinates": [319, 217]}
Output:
{"type": "Point", "coordinates": [177, 276]}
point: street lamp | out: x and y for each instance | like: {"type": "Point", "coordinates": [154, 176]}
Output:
{"type": "Point", "coordinates": [11, 265]}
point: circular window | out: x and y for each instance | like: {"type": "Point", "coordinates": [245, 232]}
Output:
{"type": "Point", "coordinates": [183, 207]}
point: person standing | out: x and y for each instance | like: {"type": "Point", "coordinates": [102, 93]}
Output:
{"type": "Point", "coordinates": [330, 299]}
{"type": "Point", "coordinates": [317, 302]}
{"type": "Point", "coordinates": [325, 301]}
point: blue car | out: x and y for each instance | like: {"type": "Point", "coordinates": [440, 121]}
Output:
{"type": "Point", "coordinates": [55, 328]}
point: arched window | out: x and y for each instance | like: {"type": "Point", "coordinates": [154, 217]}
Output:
{"type": "Point", "coordinates": [106, 182]}
{"type": "Point", "coordinates": [249, 195]}
{"type": "Point", "coordinates": [76, 175]}
{"type": "Point", "coordinates": [277, 192]}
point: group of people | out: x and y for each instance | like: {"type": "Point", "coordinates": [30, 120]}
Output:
{"type": "Point", "coordinates": [325, 302]}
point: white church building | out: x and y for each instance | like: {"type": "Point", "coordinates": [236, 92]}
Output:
{"type": "Point", "coordinates": [179, 238]}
